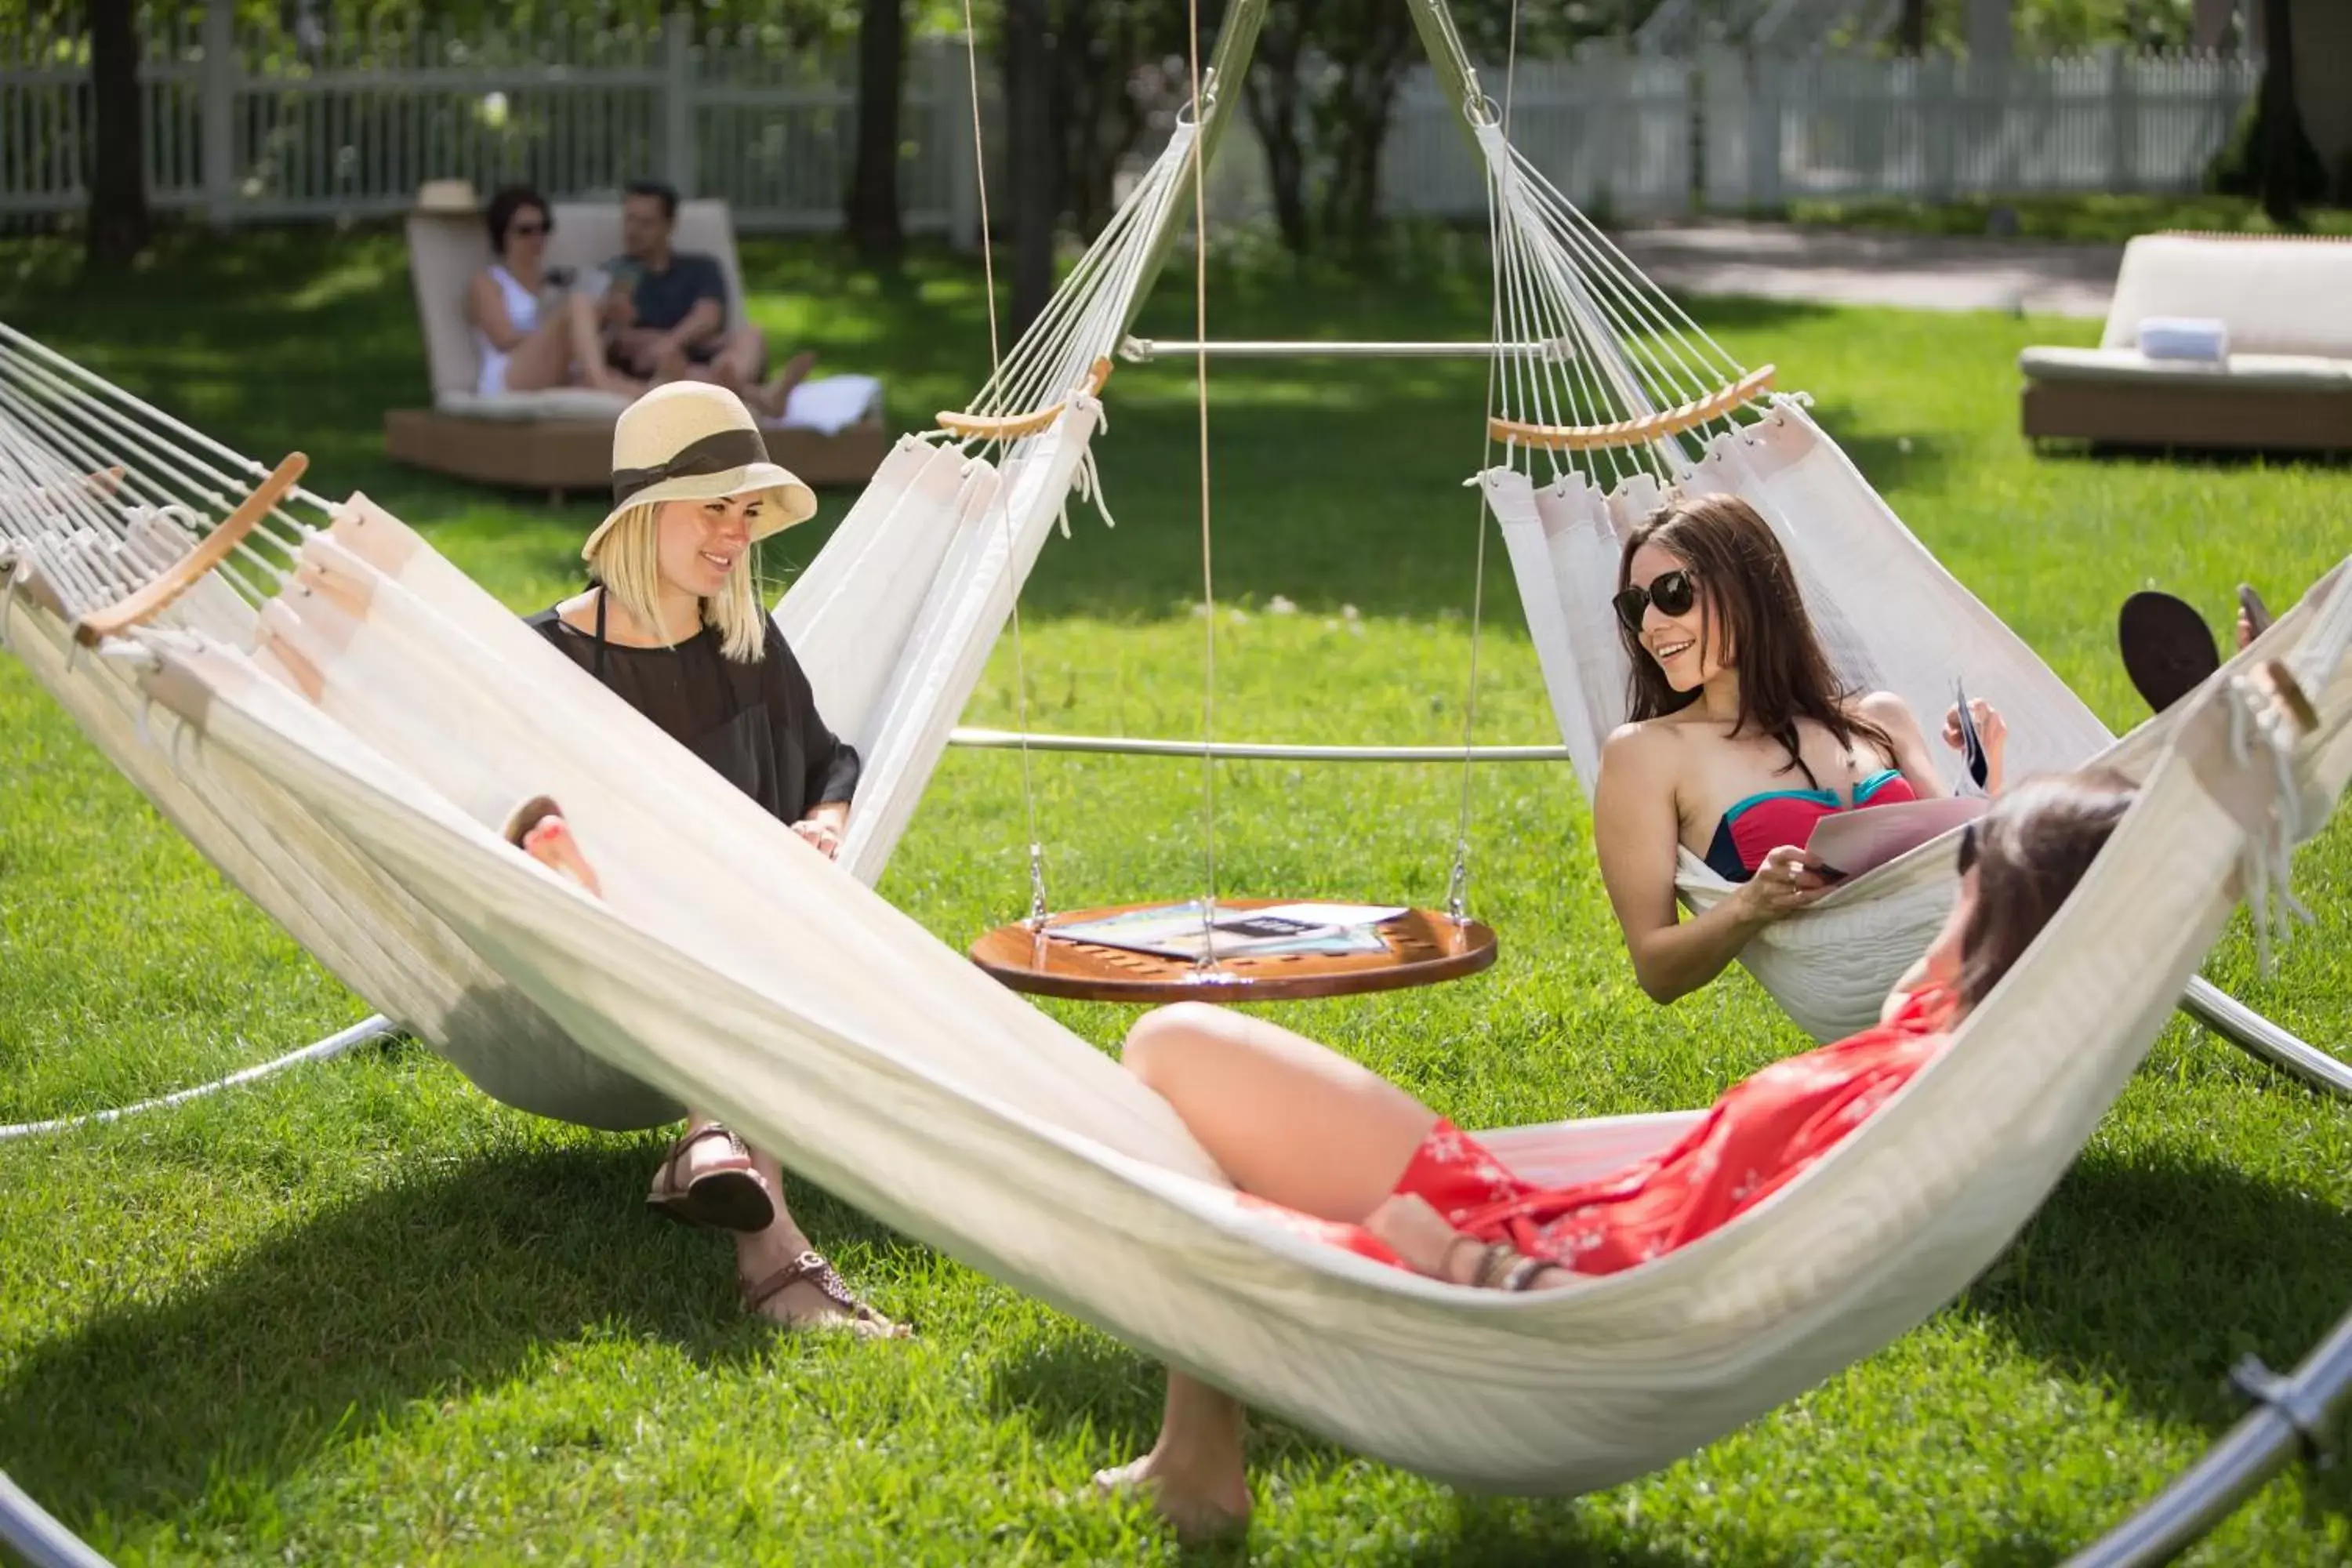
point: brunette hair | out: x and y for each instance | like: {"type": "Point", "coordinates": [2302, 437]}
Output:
{"type": "Point", "coordinates": [508, 205]}
{"type": "Point", "coordinates": [2029, 852]}
{"type": "Point", "coordinates": [1750, 612]}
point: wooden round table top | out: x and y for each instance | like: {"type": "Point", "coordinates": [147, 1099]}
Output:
{"type": "Point", "coordinates": [1423, 947]}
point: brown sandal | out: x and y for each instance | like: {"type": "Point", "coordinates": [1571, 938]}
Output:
{"type": "Point", "coordinates": [730, 1196]}
{"type": "Point", "coordinates": [813, 1268]}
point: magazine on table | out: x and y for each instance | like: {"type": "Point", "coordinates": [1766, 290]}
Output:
{"type": "Point", "coordinates": [1175, 930]}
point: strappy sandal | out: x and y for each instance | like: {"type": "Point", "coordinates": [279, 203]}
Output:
{"type": "Point", "coordinates": [727, 1197]}
{"type": "Point", "coordinates": [1502, 1266]}
{"type": "Point", "coordinates": [2167, 648]}
{"type": "Point", "coordinates": [812, 1267]}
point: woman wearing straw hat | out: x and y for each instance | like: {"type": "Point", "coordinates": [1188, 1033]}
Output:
{"type": "Point", "coordinates": [672, 622]}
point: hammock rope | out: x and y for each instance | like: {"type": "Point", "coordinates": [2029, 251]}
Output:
{"type": "Point", "coordinates": [1207, 958]}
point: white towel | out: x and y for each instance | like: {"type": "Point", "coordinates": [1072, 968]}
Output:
{"type": "Point", "coordinates": [832, 405]}
{"type": "Point", "coordinates": [2184, 337]}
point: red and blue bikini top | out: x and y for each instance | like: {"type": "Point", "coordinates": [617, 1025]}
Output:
{"type": "Point", "coordinates": [1761, 824]}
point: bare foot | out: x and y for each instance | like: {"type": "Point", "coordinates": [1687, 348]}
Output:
{"type": "Point", "coordinates": [1200, 1511]}
{"type": "Point", "coordinates": [777, 395]}
{"type": "Point", "coordinates": [551, 843]}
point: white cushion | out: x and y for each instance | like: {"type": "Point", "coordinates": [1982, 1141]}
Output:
{"type": "Point", "coordinates": [555, 403]}
{"type": "Point", "coordinates": [2287, 372]}
{"type": "Point", "coordinates": [2277, 295]}
{"type": "Point", "coordinates": [828, 405]}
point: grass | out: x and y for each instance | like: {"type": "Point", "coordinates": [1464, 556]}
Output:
{"type": "Point", "coordinates": [2111, 220]}
{"type": "Point", "coordinates": [362, 1313]}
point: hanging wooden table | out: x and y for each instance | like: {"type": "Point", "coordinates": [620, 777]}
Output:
{"type": "Point", "coordinates": [1421, 947]}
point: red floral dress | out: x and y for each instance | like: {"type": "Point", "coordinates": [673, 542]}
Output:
{"type": "Point", "coordinates": [1764, 1131]}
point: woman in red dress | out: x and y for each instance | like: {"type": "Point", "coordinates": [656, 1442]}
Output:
{"type": "Point", "coordinates": [1351, 1157]}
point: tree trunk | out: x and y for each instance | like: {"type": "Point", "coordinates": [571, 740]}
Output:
{"type": "Point", "coordinates": [1911, 33]}
{"type": "Point", "coordinates": [1353, 121]}
{"type": "Point", "coordinates": [119, 227]}
{"type": "Point", "coordinates": [873, 208]}
{"type": "Point", "coordinates": [1031, 156]}
{"type": "Point", "coordinates": [2282, 121]}
{"type": "Point", "coordinates": [1274, 93]}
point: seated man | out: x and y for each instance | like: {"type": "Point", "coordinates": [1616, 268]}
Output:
{"type": "Point", "coordinates": [665, 315]}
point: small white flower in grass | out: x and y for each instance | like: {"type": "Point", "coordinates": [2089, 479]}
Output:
{"type": "Point", "coordinates": [1349, 613]}
{"type": "Point", "coordinates": [1237, 615]}
{"type": "Point", "coordinates": [1278, 606]}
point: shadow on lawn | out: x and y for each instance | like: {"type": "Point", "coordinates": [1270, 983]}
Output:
{"type": "Point", "coordinates": [2155, 1276]}
{"type": "Point", "coordinates": [1080, 1381]}
{"type": "Point", "coordinates": [315, 1336]}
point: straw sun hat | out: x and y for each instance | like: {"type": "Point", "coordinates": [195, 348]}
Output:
{"type": "Point", "coordinates": [689, 440]}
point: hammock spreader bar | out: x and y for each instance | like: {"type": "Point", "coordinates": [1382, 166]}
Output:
{"type": "Point", "coordinates": [1012, 426]}
{"type": "Point", "coordinates": [211, 551]}
{"type": "Point", "coordinates": [1633, 432]}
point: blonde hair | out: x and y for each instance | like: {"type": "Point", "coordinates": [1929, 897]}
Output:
{"type": "Point", "coordinates": [627, 561]}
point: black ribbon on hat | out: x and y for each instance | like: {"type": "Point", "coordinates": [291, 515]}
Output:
{"type": "Point", "coordinates": [712, 455]}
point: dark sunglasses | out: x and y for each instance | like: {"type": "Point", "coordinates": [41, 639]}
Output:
{"type": "Point", "coordinates": [1672, 592]}
{"type": "Point", "coordinates": [526, 229]}
{"type": "Point", "coordinates": [1967, 857]}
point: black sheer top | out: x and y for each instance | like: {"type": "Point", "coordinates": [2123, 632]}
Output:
{"type": "Point", "coordinates": [756, 723]}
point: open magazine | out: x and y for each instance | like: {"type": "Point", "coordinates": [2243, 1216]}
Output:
{"type": "Point", "coordinates": [1849, 843]}
{"type": "Point", "coordinates": [1177, 930]}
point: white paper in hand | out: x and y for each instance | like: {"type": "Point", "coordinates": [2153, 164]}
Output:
{"type": "Point", "coordinates": [1853, 842]}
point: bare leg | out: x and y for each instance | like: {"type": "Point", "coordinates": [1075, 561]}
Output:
{"type": "Point", "coordinates": [544, 358]}
{"type": "Point", "coordinates": [1193, 1475]}
{"type": "Point", "coordinates": [588, 349]}
{"type": "Point", "coordinates": [1290, 1121]}
{"type": "Point", "coordinates": [778, 393]}
{"type": "Point", "coordinates": [760, 1254]}
{"type": "Point", "coordinates": [757, 1254]}
{"type": "Point", "coordinates": [742, 355]}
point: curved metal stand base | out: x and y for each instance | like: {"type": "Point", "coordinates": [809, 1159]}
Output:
{"type": "Point", "coordinates": [28, 1531]}
{"type": "Point", "coordinates": [2258, 1036]}
{"type": "Point", "coordinates": [2293, 1417]}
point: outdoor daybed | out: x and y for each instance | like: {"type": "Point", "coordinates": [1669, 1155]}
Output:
{"type": "Point", "coordinates": [2280, 309]}
{"type": "Point", "coordinates": [561, 439]}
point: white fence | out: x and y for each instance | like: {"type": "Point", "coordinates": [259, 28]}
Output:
{"type": "Point", "coordinates": [1934, 128]}
{"type": "Point", "coordinates": [239, 129]}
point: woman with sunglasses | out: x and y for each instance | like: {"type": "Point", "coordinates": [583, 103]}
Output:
{"type": "Point", "coordinates": [523, 340]}
{"type": "Point", "coordinates": [1739, 741]}
{"type": "Point", "coordinates": [1344, 1156]}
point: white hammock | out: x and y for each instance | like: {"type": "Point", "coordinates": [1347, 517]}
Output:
{"type": "Point", "coordinates": [1641, 398]}
{"type": "Point", "coordinates": [769, 984]}
{"type": "Point", "coordinates": [893, 651]}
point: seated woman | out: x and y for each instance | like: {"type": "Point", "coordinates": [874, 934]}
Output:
{"type": "Point", "coordinates": [1364, 1165]}
{"type": "Point", "coordinates": [1739, 741]}
{"type": "Point", "coordinates": [521, 346]}
{"type": "Point", "coordinates": [672, 624]}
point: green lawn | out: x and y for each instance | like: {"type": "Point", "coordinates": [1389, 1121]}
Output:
{"type": "Point", "coordinates": [361, 1314]}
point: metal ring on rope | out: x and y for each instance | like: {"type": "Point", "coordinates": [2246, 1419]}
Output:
{"type": "Point", "coordinates": [1188, 114]}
